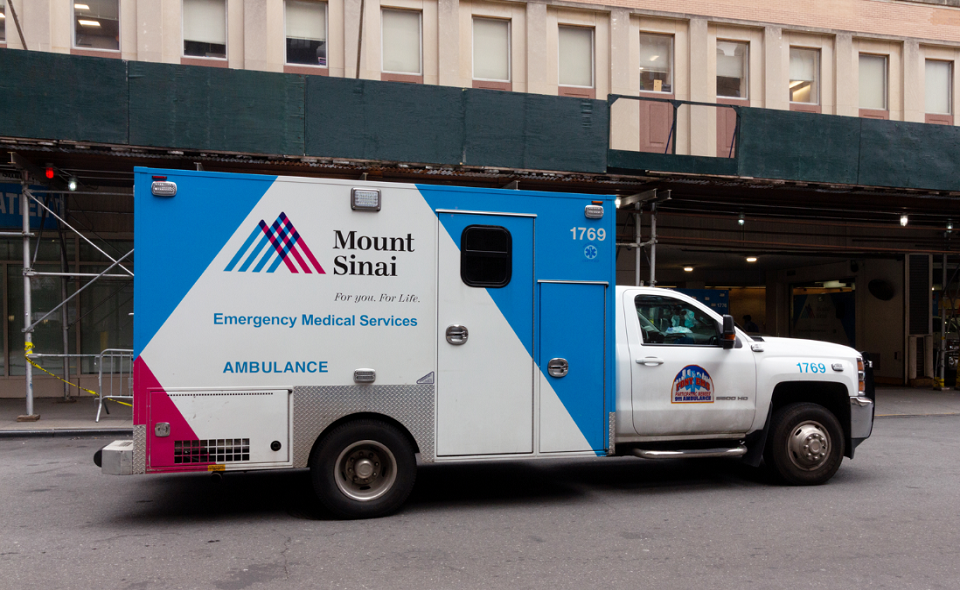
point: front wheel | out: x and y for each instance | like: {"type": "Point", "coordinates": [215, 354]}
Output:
{"type": "Point", "coordinates": [363, 469]}
{"type": "Point", "coordinates": [806, 444]}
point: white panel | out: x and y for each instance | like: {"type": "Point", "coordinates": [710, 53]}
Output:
{"type": "Point", "coordinates": [873, 82]}
{"type": "Point", "coordinates": [576, 56]}
{"type": "Point", "coordinates": [190, 350]}
{"type": "Point", "coordinates": [491, 49]}
{"type": "Point", "coordinates": [558, 431]}
{"type": "Point", "coordinates": [401, 41]}
{"type": "Point", "coordinates": [263, 416]}
{"type": "Point", "coordinates": [492, 414]}
{"type": "Point", "coordinates": [938, 85]}
{"type": "Point", "coordinates": [205, 21]}
{"type": "Point", "coordinates": [306, 20]}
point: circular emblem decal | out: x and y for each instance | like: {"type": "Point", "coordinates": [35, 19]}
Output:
{"type": "Point", "coordinates": [692, 385]}
{"type": "Point", "coordinates": [590, 252]}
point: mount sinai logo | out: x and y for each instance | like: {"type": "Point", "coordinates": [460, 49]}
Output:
{"type": "Point", "coordinates": [270, 245]}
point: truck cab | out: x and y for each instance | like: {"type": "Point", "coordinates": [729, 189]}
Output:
{"type": "Point", "coordinates": [800, 404]}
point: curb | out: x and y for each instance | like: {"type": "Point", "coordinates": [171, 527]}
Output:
{"type": "Point", "coordinates": [61, 432]}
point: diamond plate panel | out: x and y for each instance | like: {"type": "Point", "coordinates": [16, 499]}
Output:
{"type": "Point", "coordinates": [612, 428]}
{"type": "Point", "coordinates": [315, 408]}
{"type": "Point", "coordinates": [139, 449]}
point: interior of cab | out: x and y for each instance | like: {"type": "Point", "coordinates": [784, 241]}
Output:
{"type": "Point", "coordinates": [664, 320]}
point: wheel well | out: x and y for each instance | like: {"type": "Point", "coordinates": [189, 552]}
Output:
{"type": "Point", "coordinates": [368, 416]}
{"type": "Point", "coordinates": [832, 396]}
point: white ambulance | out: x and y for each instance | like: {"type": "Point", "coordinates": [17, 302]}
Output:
{"type": "Point", "coordinates": [348, 327]}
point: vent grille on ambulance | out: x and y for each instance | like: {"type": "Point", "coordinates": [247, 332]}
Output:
{"type": "Point", "coordinates": [214, 450]}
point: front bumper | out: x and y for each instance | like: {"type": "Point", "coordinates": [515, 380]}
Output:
{"type": "Point", "coordinates": [861, 417]}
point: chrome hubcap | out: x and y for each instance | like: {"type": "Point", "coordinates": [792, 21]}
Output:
{"type": "Point", "coordinates": [809, 445]}
{"type": "Point", "coordinates": [365, 470]}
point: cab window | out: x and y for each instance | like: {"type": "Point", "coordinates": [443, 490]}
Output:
{"type": "Point", "coordinates": [664, 320]}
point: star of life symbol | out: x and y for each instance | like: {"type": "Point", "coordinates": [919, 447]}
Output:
{"type": "Point", "coordinates": [270, 245]}
{"type": "Point", "coordinates": [590, 252]}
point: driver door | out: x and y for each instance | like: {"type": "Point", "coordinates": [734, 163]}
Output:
{"type": "Point", "coordinates": [682, 381]}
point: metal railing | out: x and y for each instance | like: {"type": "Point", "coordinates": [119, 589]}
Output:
{"type": "Point", "coordinates": [671, 140]}
{"type": "Point", "coordinates": [117, 364]}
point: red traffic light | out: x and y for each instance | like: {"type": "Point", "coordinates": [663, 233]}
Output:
{"type": "Point", "coordinates": [49, 172]}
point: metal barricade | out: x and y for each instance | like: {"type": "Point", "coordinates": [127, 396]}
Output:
{"type": "Point", "coordinates": [117, 364]}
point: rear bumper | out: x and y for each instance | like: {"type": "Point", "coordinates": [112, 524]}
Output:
{"type": "Point", "coordinates": [117, 458]}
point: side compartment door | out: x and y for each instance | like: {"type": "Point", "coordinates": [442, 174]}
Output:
{"type": "Point", "coordinates": [572, 390]}
{"type": "Point", "coordinates": [485, 368]}
{"type": "Point", "coordinates": [683, 382]}
{"type": "Point", "coordinates": [189, 429]}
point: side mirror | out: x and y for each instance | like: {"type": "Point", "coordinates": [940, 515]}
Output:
{"type": "Point", "coordinates": [729, 335]}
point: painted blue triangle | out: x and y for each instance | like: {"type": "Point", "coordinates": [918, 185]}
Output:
{"type": "Point", "coordinates": [176, 238]}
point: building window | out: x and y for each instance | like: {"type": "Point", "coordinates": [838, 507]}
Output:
{"type": "Point", "coordinates": [656, 63]}
{"type": "Point", "coordinates": [805, 75]}
{"type": "Point", "coordinates": [400, 42]}
{"type": "Point", "coordinates": [96, 24]}
{"type": "Point", "coordinates": [576, 56]}
{"type": "Point", "coordinates": [873, 82]}
{"type": "Point", "coordinates": [205, 28]}
{"type": "Point", "coordinates": [491, 49]}
{"type": "Point", "coordinates": [732, 69]}
{"type": "Point", "coordinates": [306, 30]}
{"type": "Point", "coordinates": [3, 21]}
{"type": "Point", "coordinates": [939, 83]}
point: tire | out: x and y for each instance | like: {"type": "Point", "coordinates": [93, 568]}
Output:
{"type": "Point", "coordinates": [370, 448]}
{"type": "Point", "coordinates": [806, 444]}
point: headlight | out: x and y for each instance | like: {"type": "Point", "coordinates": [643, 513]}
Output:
{"type": "Point", "coordinates": [861, 376]}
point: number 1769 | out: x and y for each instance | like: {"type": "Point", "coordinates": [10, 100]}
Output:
{"type": "Point", "coordinates": [591, 233]}
{"type": "Point", "coordinates": [812, 367]}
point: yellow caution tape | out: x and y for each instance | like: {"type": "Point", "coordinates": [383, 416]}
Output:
{"type": "Point", "coordinates": [26, 354]}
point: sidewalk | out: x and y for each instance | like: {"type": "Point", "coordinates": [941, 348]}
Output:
{"type": "Point", "coordinates": [64, 419]}
{"type": "Point", "coordinates": [72, 419]}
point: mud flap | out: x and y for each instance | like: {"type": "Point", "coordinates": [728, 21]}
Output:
{"type": "Point", "coordinates": [756, 441]}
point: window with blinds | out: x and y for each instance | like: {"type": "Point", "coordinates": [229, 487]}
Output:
{"type": "Point", "coordinates": [939, 85]}
{"type": "Point", "coordinates": [306, 32]}
{"type": "Point", "coordinates": [205, 28]}
{"type": "Point", "coordinates": [873, 82]}
{"type": "Point", "coordinates": [491, 49]}
{"type": "Point", "coordinates": [400, 45]}
{"type": "Point", "coordinates": [805, 75]}
{"type": "Point", "coordinates": [732, 69]}
{"type": "Point", "coordinates": [656, 63]}
{"type": "Point", "coordinates": [576, 56]}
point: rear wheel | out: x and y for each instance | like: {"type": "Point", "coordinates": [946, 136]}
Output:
{"type": "Point", "coordinates": [363, 469]}
{"type": "Point", "coordinates": [806, 444]}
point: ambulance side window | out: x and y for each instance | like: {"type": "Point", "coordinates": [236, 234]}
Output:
{"type": "Point", "coordinates": [664, 320]}
{"type": "Point", "coordinates": [486, 256]}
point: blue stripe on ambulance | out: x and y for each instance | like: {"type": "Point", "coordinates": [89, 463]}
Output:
{"type": "Point", "coordinates": [206, 220]}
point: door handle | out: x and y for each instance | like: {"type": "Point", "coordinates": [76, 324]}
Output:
{"type": "Point", "coordinates": [558, 367]}
{"type": "Point", "coordinates": [650, 361]}
{"type": "Point", "coordinates": [457, 334]}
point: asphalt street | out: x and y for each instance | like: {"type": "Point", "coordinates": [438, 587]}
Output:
{"type": "Point", "coordinates": [889, 519]}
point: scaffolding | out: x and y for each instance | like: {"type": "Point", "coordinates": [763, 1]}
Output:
{"type": "Point", "coordinates": [29, 171]}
